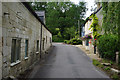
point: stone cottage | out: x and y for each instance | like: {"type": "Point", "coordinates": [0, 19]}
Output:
{"type": "Point", "coordinates": [24, 38]}
{"type": "Point", "coordinates": [88, 43]}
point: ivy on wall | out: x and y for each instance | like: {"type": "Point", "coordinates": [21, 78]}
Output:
{"type": "Point", "coordinates": [94, 26]}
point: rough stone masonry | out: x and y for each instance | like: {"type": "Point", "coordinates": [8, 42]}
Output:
{"type": "Point", "coordinates": [20, 27]}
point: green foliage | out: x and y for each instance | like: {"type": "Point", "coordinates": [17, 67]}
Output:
{"type": "Point", "coordinates": [55, 38]}
{"type": "Point", "coordinates": [107, 46]}
{"type": "Point", "coordinates": [111, 19]}
{"type": "Point", "coordinates": [74, 41]}
{"type": "Point", "coordinates": [38, 5]}
{"type": "Point", "coordinates": [68, 42]}
{"type": "Point", "coordinates": [94, 26]}
{"type": "Point", "coordinates": [65, 41]}
{"type": "Point", "coordinates": [71, 32]}
{"type": "Point", "coordinates": [96, 63]}
{"type": "Point", "coordinates": [107, 68]}
{"type": "Point", "coordinates": [115, 77]}
{"type": "Point", "coordinates": [62, 17]}
{"type": "Point", "coordinates": [111, 62]}
{"type": "Point", "coordinates": [101, 66]}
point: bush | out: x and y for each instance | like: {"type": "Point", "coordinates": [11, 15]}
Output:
{"type": "Point", "coordinates": [115, 77]}
{"type": "Point", "coordinates": [107, 68]}
{"type": "Point", "coordinates": [57, 39]}
{"type": "Point", "coordinates": [107, 46]}
{"type": "Point", "coordinates": [96, 63]}
{"type": "Point", "coordinates": [73, 41]}
{"type": "Point", "coordinates": [65, 41]}
{"type": "Point", "coordinates": [68, 42]}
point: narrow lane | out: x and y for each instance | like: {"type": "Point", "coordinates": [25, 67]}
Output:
{"type": "Point", "coordinates": [67, 61]}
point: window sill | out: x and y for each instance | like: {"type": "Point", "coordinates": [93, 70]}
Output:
{"type": "Point", "coordinates": [37, 52]}
{"type": "Point", "coordinates": [15, 63]}
{"type": "Point", "coordinates": [26, 58]}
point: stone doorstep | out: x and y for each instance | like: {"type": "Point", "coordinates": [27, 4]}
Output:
{"type": "Point", "coordinates": [115, 71]}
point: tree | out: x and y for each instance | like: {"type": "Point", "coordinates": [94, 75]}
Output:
{"type": "Point", "coordinates": [38, 5]}
{"type": "Point", "coordinates": [62, 15]}
{"type": "Point", "coordinates": [110, 17]}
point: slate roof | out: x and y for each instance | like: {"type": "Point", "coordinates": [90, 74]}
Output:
{"type": "Point", "coordinates": [40, 13]}
{"type": "Point", "coordinates": [26, 4]}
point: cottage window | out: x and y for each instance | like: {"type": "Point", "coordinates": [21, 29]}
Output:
{"type": "Point", "coordinates": [37, 45]}
{"type": "Point", "coordinates": [46, 39]}
{"type": "Point", "coordinates": [26, 48]}
{"type": "Point", "coordinates": [15, 50]}
{"type": "Point", "coordinates": [43, 42]}
{"type": "Point", "coordinates": [50, 40]}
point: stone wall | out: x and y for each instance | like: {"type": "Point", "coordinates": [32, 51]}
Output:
{"type": "Point", "coordinates": [20, 23]}
{"type": "Point", "coordinates": [0, 40]}
{"type": "Point", "coordinates": [87, 31]}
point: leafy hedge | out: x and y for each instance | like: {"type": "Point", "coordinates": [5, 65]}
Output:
{"type": "Point", "coordinates": [74, 41]}
{"type": "Point", "coordinates": [57, 39]}
{"type": "Point", "coordinates": [107, 46]}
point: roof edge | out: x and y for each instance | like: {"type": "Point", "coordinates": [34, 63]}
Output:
{"type": "Point", "coordinates": [33, 13]}
{"type": "Point", "coordinates": [93, 13]}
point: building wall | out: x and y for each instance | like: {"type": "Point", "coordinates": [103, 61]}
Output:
{"type": "Point", "coordinates": [87, 31]}
{"type": "Point", "coordinates": [46, 35]}
{"type": "Point", "coordinates": [87, 26]}
{"type": "Point", "coordinates": [20, 23]}
{"type": "Point", "coordinates": [0, 40]}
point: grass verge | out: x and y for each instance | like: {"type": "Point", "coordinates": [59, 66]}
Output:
{"type": "Point", "coordinates": [107, 69]}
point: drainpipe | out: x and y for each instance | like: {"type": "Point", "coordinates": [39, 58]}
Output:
{"type": "Point", "coordinates": [41, 43]}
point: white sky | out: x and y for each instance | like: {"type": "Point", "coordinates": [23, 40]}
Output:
{"type": "Point", "coordinates": [89, 4]}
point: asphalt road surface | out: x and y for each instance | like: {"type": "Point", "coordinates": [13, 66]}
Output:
{"type": "Point", "coordinates": [67, 61]}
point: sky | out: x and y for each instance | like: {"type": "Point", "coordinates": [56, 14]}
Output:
{"type": "Point", "coordinates": [89, 4]}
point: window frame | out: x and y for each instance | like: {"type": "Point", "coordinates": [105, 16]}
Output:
{"type": "Point", "coordinates": [37, 46]}
{"type": "Point", "coordinates": [26, 48]}
{"type": "Point", "coordinates": [46, 39]}
{"type": "Point", "coordinates": [16, 55]}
